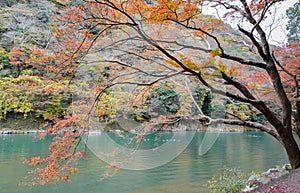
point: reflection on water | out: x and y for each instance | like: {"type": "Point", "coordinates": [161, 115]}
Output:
{"type": "Point", "coordinates": [188, 172]}
{"type": "Point", "coordinates": [152, 151]}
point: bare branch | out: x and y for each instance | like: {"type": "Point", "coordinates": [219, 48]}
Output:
{"type": "Point", "coordinates": [259, 126]}
{"type": "Point", "coordinates": [223, 54]}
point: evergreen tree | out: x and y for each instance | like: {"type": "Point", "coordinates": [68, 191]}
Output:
{"type": "Point", "coordinates": [293, 26]}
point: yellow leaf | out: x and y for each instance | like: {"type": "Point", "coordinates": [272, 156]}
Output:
{"type": "Point", "coordinates": [169, 61]}
{"type": "Point", "coordinates": [221, 66]}
{"type": "Point", "coordinates": [216, 52]}
{"type": "Point", "coordinates": [189, 64]}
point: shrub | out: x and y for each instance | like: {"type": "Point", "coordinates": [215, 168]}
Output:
{"type": "Point", "coordinates": [204, 97]}
{"type": "Point", "coordinates": [230, 181]}
{"type": "Point", "coordinates": [164, 100]}
{"type": "Point", "coordinates": [43, 16]}
{"type": "Point", "coordinates": [3, 57]}
{"type": "Point", "coordinates": [218, 111]}
{"type": "Point", "coordinates": [260, 118]}
{"type": "Point", "coordinates": [26, 94]}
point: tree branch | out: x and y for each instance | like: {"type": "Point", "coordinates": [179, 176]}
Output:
{"type": "Point", "coordinates": [259, 126]}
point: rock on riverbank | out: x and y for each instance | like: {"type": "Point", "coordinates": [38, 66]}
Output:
{"type": "Point", "coordinates": [257, 181]}
{"type": "Point", "coordinates": [7, 131]}
{"type": "Point", "coordinates": [289, 183]}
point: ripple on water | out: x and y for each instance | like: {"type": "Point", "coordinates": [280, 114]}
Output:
{"type": "Point", "coordinates": [189, 172]}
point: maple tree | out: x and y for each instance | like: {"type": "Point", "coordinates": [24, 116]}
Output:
{"type": "Point", "coordinates": [290, 73]}
{"type": "Point", "coordinates": [161, 40]}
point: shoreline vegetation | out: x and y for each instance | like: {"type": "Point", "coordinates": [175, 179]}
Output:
{"type": "Point", "coordinates": [8, 131]}
{"type": "Point", "coordinates": [17, 125]}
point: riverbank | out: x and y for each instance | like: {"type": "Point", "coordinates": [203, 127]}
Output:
{"type": "Point", "coordinates": [181, 125]}
{"type": "Point", "coordinates": [258, 181]}
{"type": "Point", "coordinates": [7, 131]}
{"type": "Point", "coordinates": [17, 124]}
{"type": "Point", "coordinates": [289, 183]}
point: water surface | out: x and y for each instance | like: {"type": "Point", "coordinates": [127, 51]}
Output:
{"type": "Point", "coordinates": [189, 172]}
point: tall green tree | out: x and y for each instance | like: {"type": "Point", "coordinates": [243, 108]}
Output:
{"type": "Point", "coordinates": [293, 26]}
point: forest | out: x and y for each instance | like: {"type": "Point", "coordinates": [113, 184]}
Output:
{"type": "Point", "coordinates": [142, 66]}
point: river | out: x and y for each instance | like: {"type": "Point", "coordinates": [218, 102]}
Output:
{"type": "Point", "coordinates": [188, 172]}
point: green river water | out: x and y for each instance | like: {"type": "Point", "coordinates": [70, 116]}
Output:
{"type": "Point", "coordinates": [187, 173]}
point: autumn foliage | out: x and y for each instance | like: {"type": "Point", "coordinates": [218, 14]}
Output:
{"type": "Point", "coordinates": [63, 154]}
{"type": "Point", "coordinates": [150, 44]}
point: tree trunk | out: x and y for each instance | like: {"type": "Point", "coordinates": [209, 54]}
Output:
{"type": "Point", "coordinates": [292, 149]}
{"type": "Point", "coordinates": [297, 117]}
